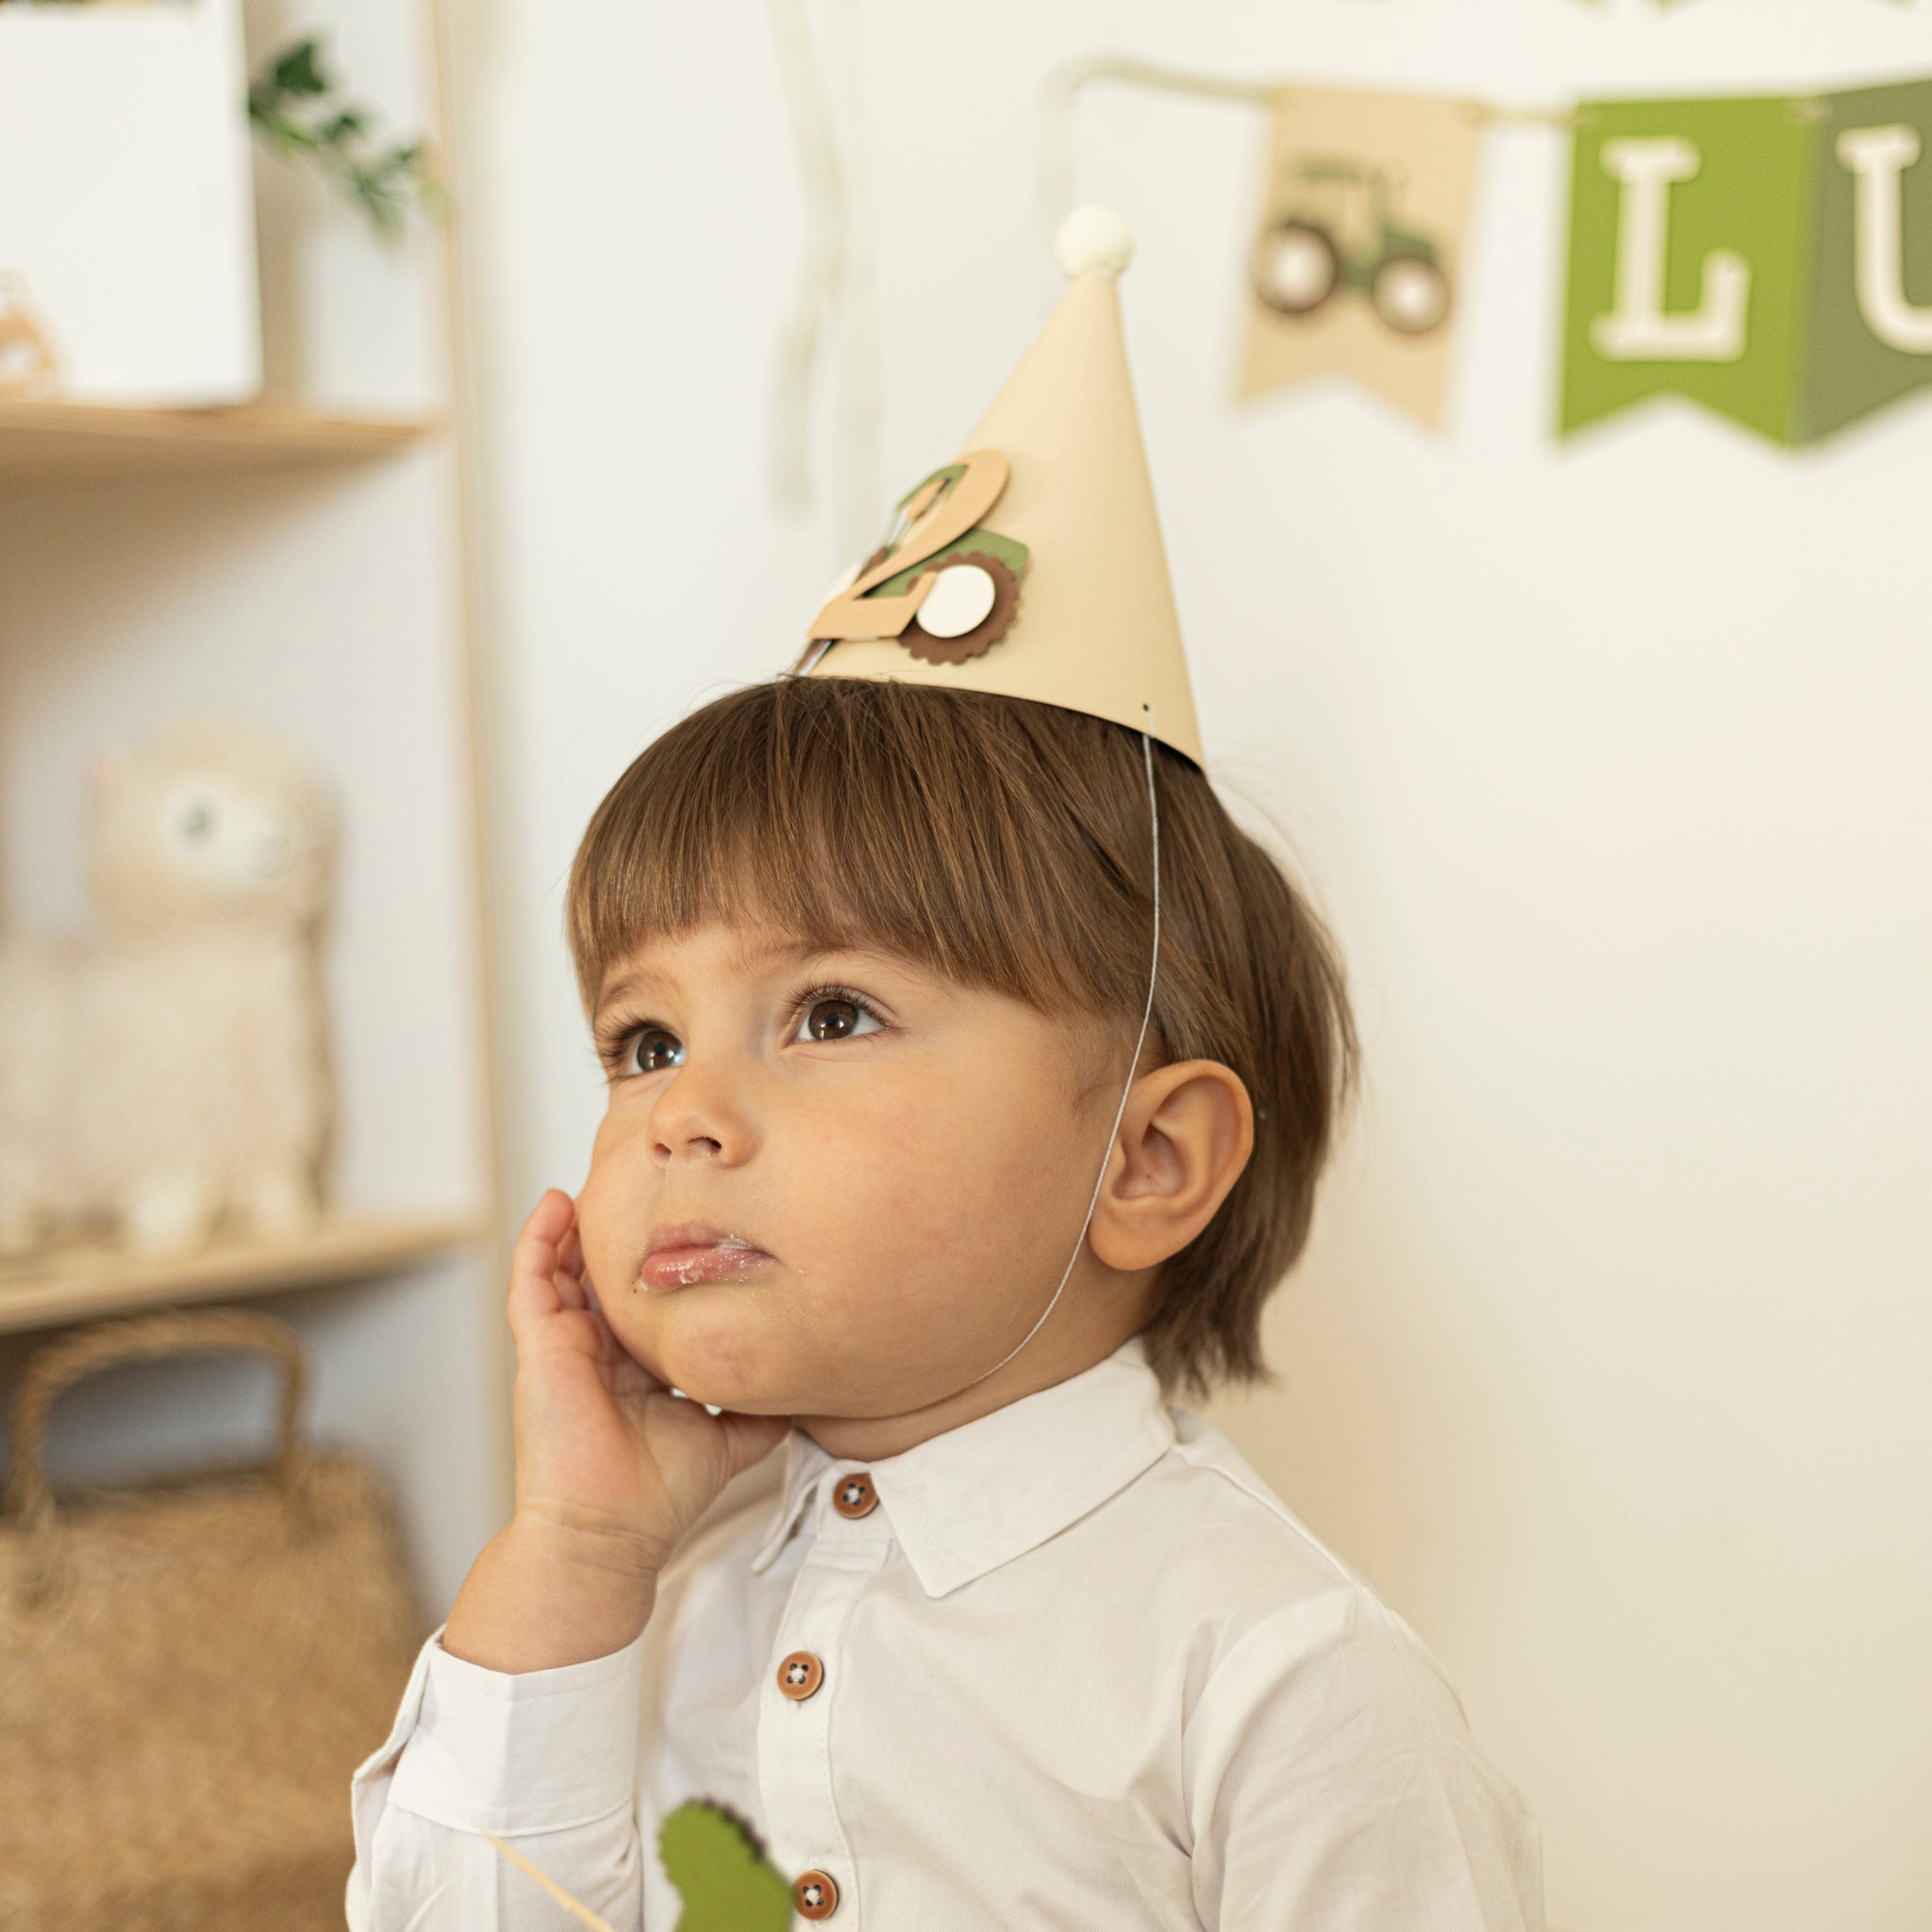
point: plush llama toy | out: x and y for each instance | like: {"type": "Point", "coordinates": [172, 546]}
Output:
{"type": "Point", "coordinates": [172, 1074]}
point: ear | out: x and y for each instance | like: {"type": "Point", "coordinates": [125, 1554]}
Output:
{"type": "Point", "coordinates": [1184, 1140]}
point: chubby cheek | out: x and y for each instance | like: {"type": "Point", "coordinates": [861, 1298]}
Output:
{"type": "Point", "coordinates": [927, 1231]}
{"type": "Point", "coordinates": [614, 1209]}
{"type": "Point", "coordinates": [916, 1234]}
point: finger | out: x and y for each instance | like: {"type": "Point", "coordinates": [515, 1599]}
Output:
{"type": "Point", "coordinates": [629, 1377]}
{"type": "Point", "coordinates": [570, 1250]}
{"type": "Point", "coordinates": [533, 1261]}
{"type": "Point", "coordinates": [554, 1216]}
{"type": "Point", "coordinates": [750, 1439]}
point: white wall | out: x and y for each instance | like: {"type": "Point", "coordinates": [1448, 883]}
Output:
{"type": "Point", "coordinates": [1606, 761]}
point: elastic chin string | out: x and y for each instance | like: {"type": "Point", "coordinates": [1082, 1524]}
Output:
{"type": "Point", "coordinates": [1133, 1065]}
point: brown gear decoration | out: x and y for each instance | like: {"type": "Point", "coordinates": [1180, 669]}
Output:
{"type": "Point", "coordinates": [986, 633]}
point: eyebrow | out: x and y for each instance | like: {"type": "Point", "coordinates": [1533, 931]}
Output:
{"type": "Point", "coordinates": [638, 980]}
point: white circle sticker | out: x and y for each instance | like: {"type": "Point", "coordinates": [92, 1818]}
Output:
{"type": "Point", "coordinates": [960, 600]}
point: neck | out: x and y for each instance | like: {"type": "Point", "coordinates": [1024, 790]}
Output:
{"type": "Point", "coordinates": [1064, 1347]}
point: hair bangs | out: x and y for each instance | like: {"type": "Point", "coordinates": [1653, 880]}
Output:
{"type": "Point", "coordinates": [859, 815]}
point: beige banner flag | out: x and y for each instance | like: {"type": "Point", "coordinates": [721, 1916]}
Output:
{"type": "Point", "coordinates": [1357, 263]}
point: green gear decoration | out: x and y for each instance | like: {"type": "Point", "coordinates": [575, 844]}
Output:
{"type": "Point", "coordinates": [720, 1873]}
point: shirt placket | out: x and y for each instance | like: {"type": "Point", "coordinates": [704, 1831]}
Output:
{"type": "Point", "coordinates": [805, 1677]}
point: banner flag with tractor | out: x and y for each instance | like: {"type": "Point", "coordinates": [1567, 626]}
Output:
{"type": "Point", "coordinates": [1356, 259]}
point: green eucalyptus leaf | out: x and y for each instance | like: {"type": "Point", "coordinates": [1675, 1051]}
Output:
{"type": "Point", "coordinates": [299, 71]}
{"type": "Point", "coordinates": [296, 106]}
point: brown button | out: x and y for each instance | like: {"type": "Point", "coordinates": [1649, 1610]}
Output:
{"type": "Point", "coordinates": [815, 1896]}
{"type": "Point", "coordinates": [855, 1495]}
{"type": "Point", "coordinates": [800, 1675]}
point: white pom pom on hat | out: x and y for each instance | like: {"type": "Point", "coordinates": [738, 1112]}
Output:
{"type": "Point", "coordinates": [1093, 241]}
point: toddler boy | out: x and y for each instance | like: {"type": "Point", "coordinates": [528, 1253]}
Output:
{"type": "Point", "coordinates": [970, 1078]}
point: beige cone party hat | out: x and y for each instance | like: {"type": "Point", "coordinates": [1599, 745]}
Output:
{"type": "Point", "coordinates": [1032, 566]}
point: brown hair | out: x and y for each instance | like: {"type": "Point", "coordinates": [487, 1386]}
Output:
{"type": "Point", "coordinates": [1004, 845]}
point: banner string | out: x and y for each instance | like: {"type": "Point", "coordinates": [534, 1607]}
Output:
{"type": "Point", "coordinates": [1057, 170]}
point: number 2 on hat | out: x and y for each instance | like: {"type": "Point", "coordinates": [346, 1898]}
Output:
{"type": "Point", "coordinates": [853, 614]}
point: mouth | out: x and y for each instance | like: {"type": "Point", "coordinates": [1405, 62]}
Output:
{"type": "Point", "coordinates": [688, 1253]}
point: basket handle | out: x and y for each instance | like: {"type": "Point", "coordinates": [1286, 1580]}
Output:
{"type": "Point", "coordinates": [147, 1339]}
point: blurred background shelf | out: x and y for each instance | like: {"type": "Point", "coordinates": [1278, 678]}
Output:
{"type": "Point", "coordinates": [77, 1284]}
{"type": "Point", "coordinates": [43, 442]}
{"type": "Point", "coordinates": [300, 562]}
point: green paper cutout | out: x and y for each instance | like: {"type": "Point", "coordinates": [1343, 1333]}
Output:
{"type": "Point", "coordinates": [1852, 370]}
{"type": "Point", "coordinates": [720, 1873]}
{"type": "Point", "coordinates": [1749, 201]}
{"type": "Point", "coordinates": [949, 473]}
{"type": "Point", "coordinates": [1005, 550]}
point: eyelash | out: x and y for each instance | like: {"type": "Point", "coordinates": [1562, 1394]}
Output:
{"type": "Point", "coordinates": [848, 996]}
{"type": "Point", "coordinates": [614, 1046]}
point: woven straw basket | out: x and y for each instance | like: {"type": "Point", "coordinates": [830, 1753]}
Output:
{"type": "Point", "coordinates": [191, 1670]}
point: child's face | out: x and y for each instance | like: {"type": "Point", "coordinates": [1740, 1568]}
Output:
{"type": "Point", "coordinates": [833, 1185]}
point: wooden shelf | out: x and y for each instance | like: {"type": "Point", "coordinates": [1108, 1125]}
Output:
{"type": "Point", "coordinates": [77, 1284]}
{"type": "Point", "coordinates": [79, 443]}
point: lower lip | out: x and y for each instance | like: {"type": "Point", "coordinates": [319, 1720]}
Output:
{"type": "Point", "coordinates": [685, 1267]}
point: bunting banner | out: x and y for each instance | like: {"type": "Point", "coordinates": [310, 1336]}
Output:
{"type": "Point", "coordinates": [1357, 251]}
{"type": "Point", "coordinates": [1769, 259]}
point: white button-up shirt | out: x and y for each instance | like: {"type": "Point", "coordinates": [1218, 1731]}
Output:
{"type": "Point", "coordinates": [1081, 1669]}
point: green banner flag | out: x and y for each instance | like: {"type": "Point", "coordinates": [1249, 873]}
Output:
{"type": "Point", "coordinates": [1689, 238]}
{"type": "Point", "coordinates": [1769, 259]}
{"type": "Point", "coordinates": [1871, 330]}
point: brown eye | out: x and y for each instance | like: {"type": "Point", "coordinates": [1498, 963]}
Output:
{"type": "Point", "coordinates": [653, 1051]}
{"type": "Point", "coordinates": [832, 1017]}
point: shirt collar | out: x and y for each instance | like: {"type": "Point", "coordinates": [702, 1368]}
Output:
{"type": "Point", "coordinates": [965, 1502]}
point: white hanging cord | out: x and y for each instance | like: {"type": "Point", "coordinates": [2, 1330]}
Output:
{"type": "Point", "coordinates": [825, 245]}
{"type": "Point", "coordinates": [836, 304]}
{"type": "Point", "coordinates": [1133, 1071]}
{"type": "Point", "coordinates": [855, 449]}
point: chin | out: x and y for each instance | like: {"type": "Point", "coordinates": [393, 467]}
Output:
{"type": "Point", "coordinates": [721, 1349]}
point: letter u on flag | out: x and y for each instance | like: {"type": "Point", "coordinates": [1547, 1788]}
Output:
{"type": "Point", "coordinates": [1871, 324]}
{"type": "Point", "coordinates": [1357, 261]}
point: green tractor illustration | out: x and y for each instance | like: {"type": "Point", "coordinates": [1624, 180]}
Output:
{"type": "Point", "coordinates": [1338, 232]}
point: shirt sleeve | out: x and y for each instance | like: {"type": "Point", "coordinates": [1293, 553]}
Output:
{"type": "Point", "coordinates": [1334, 1787]}
{"type": "Point", "coordinates": [545, 1760]}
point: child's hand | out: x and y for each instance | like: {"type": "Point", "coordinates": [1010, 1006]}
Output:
{"type": "Point", "coordinates": [603, 1451]}
{"type": "Point", "coordinates": [612, 1472]}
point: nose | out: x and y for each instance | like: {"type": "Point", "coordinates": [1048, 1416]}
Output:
{"type": "Point", "coordinates": [695, 1117]}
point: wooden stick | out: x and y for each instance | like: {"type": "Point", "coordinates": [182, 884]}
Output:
{"type": "Point", "coordinates": [583, 1914]}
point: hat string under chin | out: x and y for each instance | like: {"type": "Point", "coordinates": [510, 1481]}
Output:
{"type": "Point", "coordinates": [1133, 1064]}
